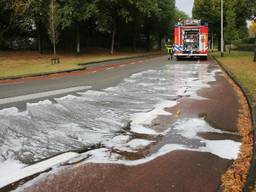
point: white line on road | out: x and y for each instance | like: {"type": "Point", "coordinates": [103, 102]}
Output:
{"type": "Point", "coordinates": [110, 68]}
{"type": "Point", "coordinates": [36, 168]}
{"type": "Point", "coordinates": [12, 83]}
{"type": "Point", "coordinates": [42, 94]}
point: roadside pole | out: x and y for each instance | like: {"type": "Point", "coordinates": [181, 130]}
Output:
{"type": "Point", "coordinates": [254, 59]}
{"type": "Point", "coordinates": [222, 29]}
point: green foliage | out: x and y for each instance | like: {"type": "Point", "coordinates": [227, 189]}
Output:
{"type": "Point", "coordinates": [144, 21]}
{"type": "Point", "coordinates": [236, 12]}
{"type": "Point", "coordinates": [231, 32]}
{"type": "Point", "coordinates": [209, 12]}
{"type": "Point", "coordinates": [76, 11]}
{"type": "Point", "coordinates": [244, 47]}
{"type": "Point", "coordinates": [167, 15]}
{"type": "Point", "coordinates": [180, 14]}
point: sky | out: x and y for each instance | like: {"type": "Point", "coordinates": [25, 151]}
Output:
{"type": "Point", "coordinates": [185, 5]}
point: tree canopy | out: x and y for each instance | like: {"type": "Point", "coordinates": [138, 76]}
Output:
{"type": "Point", "coordinates": [236, 12]}
{"type": "Point", "coordinates": [84, 23]}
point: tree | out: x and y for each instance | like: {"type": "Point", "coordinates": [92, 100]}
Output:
{"type": "Point", "coordinates": [11, 26]}
{"type": "Point", "coordinates": [108, 14]}
{"type": "Point", "coordinates": [231, 32]}
{"type": "Point", "coordinates": [254, 31]}
{"type": "Point", "coordinates": [180, 15]}
{"type": "Point", "coordinates": [25, 20]}
{"type": "Point", "coordinates": [33, 13]}
{"type": "Point", "coordinates": [209, 12]}
{"type": "Point", "coordinates": [135, 13]}
{"type": "Point", "coordinates": [53, 25]}
{"type": "Point", "coordinates": [6, 22]}
{"type": "Point", "coordinates": [73, 13]}
{"type": "Point", "coordinates": [150, 11]}
{"type": "Point", "coordinates": [167, 14]}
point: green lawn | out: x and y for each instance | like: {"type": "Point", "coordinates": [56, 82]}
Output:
{"type": "Point", "coordinates": [29, 62]}
{"type": "Point", "coordinates": [242, 66]}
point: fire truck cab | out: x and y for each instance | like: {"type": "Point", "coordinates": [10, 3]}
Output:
{"type": "Point", "coordinates": [191, 40]}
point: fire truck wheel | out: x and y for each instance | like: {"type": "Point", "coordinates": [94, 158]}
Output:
{"type": "Point", "coordinates": [178, 58]}
{"type": "Point", "coordinates": [204, 58]}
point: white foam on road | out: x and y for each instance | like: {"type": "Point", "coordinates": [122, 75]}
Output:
{"type": "Point", "coordinates": [225, 149]}
{"type": "Point", "coordinates": [140, 129]}
{"type": "Point", "coordinates": [42, 94]}
{"type": "Point", "coordinates": [190, 128]}
{"type": "Point", "coordinates": [97, 117]}
{"type": "Point", "coordinates": [137, 144]}
{"type": "Point", "coordinates": [141, 119]}
{"type": "Point", "coordinates": [12, 171]}
{"type": "Point", "coordinates": [105, 156]}
{"type": "Point", "coordinates": [9, 111]}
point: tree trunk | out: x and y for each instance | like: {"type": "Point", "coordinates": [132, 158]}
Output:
{"type": "Point", "coordinates": [212, 42]}
{"type": "Point", "coordinates": [147, 34]}
{"type": "Point", "coordinates": [230, 47]}
{"type": "Point", "coordinates": [219, 43]}
{"type": "Point", "coordinates": [134, 43]}
{"type": "Point", "coordinates": [254, 54]}
{"type": "Point", "coordinates": [39, 41]}
{"type": "Point", "coordinates": [39, 44]}
{"type": "Point", "coordinates": [160, 41]}
{"type": "Point", "coordinates": [54, 49]}
{"type": "Point", "coordinates": [113, 40]}
{"type": "Point", "coordinates": [148, 40]}
{"type": "Point", "coordinates": [39, 36]}
{"type": "Point", "coordinates": [78, 40]}
{"type": "Point", "coordinates": [53, 30]}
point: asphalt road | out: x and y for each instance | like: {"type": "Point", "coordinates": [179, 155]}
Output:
{"type": "Point", "coordinates": [97, 76]}
{"type": "Point", "coordinates": [197, 96]}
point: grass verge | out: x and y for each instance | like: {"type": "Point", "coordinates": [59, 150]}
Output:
{"type": "Point", "coordinates": [242, 66]}
{"type": "Point", "coordinates": [29, 63]}
{"type": "Point", "coordinates": [243, 69]}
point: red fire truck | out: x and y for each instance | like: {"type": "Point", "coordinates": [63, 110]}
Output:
{"type": "Point", "coordinates": [191, 40]}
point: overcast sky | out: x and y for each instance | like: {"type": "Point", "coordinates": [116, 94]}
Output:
{"type": "Point", "coordinates": [185, 5]}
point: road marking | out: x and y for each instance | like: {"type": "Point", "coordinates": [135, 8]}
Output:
{"type": "Point", "coordinates": [37, 168]}
{"type": "Point", "coordinates": [54, 78]}
{"type": "Point", "coordinates": [110, 68]}
{"type": "Point", "coordinates": [42, 94]}
{"type": "Point", "coordinates": [11, 83]}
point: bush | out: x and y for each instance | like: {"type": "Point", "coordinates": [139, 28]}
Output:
{"type": "Point", "coordinates": [245, 41]}
{"type": "Point", "coordinates": [244, 47]}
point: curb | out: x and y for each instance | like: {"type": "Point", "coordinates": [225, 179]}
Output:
{"type": "Point", "coordinates": [120, 59]}
{"type": "Point", "coordinates": [82, 67]}
{"type": "Point", "coordinates": [251, 178]}
{"type": "Point", "coordinates": [42, 74]}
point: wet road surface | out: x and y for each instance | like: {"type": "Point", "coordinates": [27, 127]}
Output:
{"type": "Point", "coordinates": [155, 128]}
